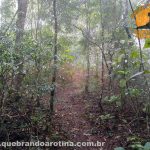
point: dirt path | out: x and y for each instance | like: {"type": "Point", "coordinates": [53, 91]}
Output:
{"type": "Point", "coordinates": [71, 108]}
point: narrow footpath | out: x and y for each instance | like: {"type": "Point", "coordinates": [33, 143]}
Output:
{"type": "Point", "coordinates": [71, 109]}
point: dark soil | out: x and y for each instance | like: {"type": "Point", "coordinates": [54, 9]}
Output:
{"type": "Point", "coordinates": [78, 115]}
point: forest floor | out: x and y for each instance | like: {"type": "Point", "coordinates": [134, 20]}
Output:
{"type": "Point", "coordinates": [77, 118]}
{"type": "Point", "coordinates": [71, 109]}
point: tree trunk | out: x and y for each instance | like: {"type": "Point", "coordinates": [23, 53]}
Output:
{"type": "Point", "coordinates": [20, 23]}
{"type": "Point", "coordinates": [88, 67]}
{"type": "Point", "coordinates": [55, 57]}
{"type": "Point", "coordinates": [87, 48]}
{"type": "Point", "coordinates": [103, 58]}
{"type": "Point", "coordinates": [97, 64]}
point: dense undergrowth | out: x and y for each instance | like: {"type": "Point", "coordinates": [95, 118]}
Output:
{"type": "Point", "coordinates": [80, 48]}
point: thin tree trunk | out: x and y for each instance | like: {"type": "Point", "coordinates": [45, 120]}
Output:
{"type": "Point", "coordinates": [38, 60]}
{"type": "Point", "coordinates": [20, 24]}
{"type": "Point", "coordinates": [103, 58]}
{"type": "Point", "coordinates": [53, 87]}
{"type": "Point", "coordinates": [87, 48]}
{"type": "Point", "coordinates": [88, 67]}
{"type": "Point", "coordinates": [97, 64]}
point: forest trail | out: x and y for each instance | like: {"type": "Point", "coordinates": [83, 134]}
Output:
{"type": "Point", "coordinates": [71, 109]}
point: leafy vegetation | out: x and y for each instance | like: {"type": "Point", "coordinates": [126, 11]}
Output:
{"type": "Point", "coordinates": [85, 50]}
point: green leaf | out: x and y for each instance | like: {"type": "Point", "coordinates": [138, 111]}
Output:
{"type": "Point", "coordinates": [119, 148]}
{"type": "Point", "coordinates": [118, 104]}
{"type": "Point", "coordinates": [122, 72]}
{"type": "Point", "coordinates": [112, 99]}
{"type": "Point", "coordinates": [146, 71]}
{"type": "Point", "coordinates": [106, 117]}
{"type": "Point", "coordinates": [147, 146]}
{"type": "Point", "coordinates": [120, 58]}
{"type": "Point", "coordinates": [134, 54]}
{"type": "Point", "coordinates": [137, 146]}
{"type": "Point", "coordinates": [134, 92]}
{"type": "Point", "coordinates": [147, 43]}
{"type": "Point", "coordinates": [67, 50]}
{"type": "Point", "coordinates": [122, 83]}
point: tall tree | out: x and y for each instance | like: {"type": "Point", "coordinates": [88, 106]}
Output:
{"type": "Point", "coordinates": [55, 56]}
{"type": "Point", "coordinates": [20, 24]}
{"type": "Point", "coordinates": [87, 48]}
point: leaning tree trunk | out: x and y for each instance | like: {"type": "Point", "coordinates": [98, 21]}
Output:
{"type": "Point", "coordinates": [55, 57]}
{"type": "Point", "coordinates": [20, 24]}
